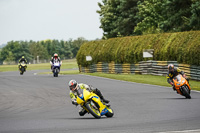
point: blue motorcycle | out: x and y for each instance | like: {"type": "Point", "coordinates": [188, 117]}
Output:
{"type": "Point", "coordinates": [56, 68]}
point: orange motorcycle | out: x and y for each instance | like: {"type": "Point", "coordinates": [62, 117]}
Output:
{"type": "Point", "coordinates": [182, 86]}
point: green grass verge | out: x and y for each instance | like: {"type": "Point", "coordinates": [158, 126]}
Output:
{"type": "Point", "coordinates": [146, 79]}
{"type": "Point", "coordinates": [67, 64]}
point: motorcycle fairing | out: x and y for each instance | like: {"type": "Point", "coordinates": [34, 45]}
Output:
{"type": "Point", "coordinates": [84, 95]}
{"type": "Point", "coordinates": [179, 81]}
{"type": "Point", "coordinates": [104, 111]}
{"type": "Point", "coordinates": [98, 101]}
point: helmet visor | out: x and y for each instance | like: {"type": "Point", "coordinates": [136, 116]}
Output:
{"type": "Point", "coordinates": [73, 87]}
{"type": "Point", "coordinates": [171, 69]}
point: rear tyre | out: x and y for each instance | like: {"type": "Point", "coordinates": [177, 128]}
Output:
{"type": "Point", "coordinates": [93, 110]}
{"type": "Point", "coordinates": [110, 112]}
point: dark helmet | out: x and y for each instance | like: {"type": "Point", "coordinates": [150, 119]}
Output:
{"type": "Point", "coordinates": [73, 85]}
{"type": "Point", "coordinates": [170, 67]}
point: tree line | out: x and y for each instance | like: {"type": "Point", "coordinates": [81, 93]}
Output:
{"type": "Point", "coordinates": [45, 49]}
{"type": "Point", "coordinates": [139, 17]}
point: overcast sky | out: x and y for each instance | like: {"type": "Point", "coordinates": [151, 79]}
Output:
{"type": "Point", "coordinates": [49, 19]}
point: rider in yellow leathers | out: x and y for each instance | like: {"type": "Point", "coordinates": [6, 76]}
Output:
{"type": "Point", "coordinates": [22, 60]}
{"type": "Point", "coordinates": [74, 86]}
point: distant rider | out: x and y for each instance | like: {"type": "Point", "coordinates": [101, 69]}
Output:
{"type": "Point", "coordinates": [55, 58]}
{"type": "Point", "coordinates": [173, 72]}
{"type": "Point", "coordinates": [74, 86]}
{"type": "Point", "coordinates": [22, 60]}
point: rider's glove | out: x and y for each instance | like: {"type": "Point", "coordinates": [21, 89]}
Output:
{"type": "Point", "coordinates": [171, 83]}
{"type": "Point", "coordinates": [75, 103]}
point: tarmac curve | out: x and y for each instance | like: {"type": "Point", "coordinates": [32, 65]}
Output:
{"type": "Point", "coordinates": [34, 103]}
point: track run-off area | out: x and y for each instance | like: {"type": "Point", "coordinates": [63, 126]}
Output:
{"type": "Point", "coordinates": [36, 103]}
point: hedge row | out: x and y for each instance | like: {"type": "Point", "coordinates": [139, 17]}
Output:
{"type": "Point", "coordinates": [183, 47]}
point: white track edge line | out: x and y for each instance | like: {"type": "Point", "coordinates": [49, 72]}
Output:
{"type": "Point", "coordinates": [184, 131]}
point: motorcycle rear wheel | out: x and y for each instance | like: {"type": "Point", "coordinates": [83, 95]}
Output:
{"type": "Point", "coordinates": [110, 112]}
{"type": "Point", "coordinates": [93, 110]}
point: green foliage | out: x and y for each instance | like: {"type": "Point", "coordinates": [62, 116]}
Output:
{"type": "Point", "coordinates": [136, 17]}
{"type": "Point", "coordinates": [183, 47]}
{"type": "Point", "coordinates": [159, 16]}
{"type": "Point", "coordinates": [195, 18]}
{"type": "Point", "coordinates": [150, 13]}
{"type": "Point", "coordinates": [118, 17]}
{"type": "Point", "coordinates": [37, 49]}
{"type": "Point", "coordinates": [177, 14]}
{"type": "Point", "coordinates": [14, 50]}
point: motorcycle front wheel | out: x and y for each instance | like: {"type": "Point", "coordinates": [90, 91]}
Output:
{"type": "Point", "coordinates": [93, 109]}
{"type": "Point", "coordinates": [22, 71]}
{"type": "Point", "coordinates": [186, 93]}
{"type": "Point", "coordinates": [56, 72]}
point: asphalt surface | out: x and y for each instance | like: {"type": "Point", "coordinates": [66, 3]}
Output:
{"type": "Point", "coordinates": [33, 103]}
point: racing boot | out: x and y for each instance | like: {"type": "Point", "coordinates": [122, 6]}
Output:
{"type": "Point", "coordinates": [174, 88]}
{"type": "Point", "coordinates": [98, 92]}
{"type": "Point", "coordinates": [52, 68]}
{"type": "Point", "coordinates": [82, 112]}
{"type": "Point", "coordinates": [104, 100]}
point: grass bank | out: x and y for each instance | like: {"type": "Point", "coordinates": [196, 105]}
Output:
{"type": "Point", "coordinates": [146, 79]}
{"type": "Point", "coordinates": [67, 64]}
{"type": "Point", "coordinates": [70, 64]}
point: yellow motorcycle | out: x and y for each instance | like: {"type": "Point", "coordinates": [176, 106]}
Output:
{"type": "Point", "coordinates": [22, 67]}
{"type": "Point", "coordinates": [93, 104]}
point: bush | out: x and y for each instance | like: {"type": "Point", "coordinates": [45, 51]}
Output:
{"type": "Point", "coordinates": [183, 47]}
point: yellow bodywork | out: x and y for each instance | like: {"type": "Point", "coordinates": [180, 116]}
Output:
{"type": "Point", "coordinates": [22, 65]}
{"type": "Point", "coordinates": [90, 95]}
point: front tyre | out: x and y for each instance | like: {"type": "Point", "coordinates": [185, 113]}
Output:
{"type": "Point", "coordinates": [55, 72]}
{"type": "Point", "coordinates": [186, 92]}
{"type": "Point", "coordinates": [22, 71]}
{"type": "Point", "coordinates": [93, 109]}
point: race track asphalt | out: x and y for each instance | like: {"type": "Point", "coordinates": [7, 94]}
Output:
{"type": "Point", "coordinates": [33, 103]}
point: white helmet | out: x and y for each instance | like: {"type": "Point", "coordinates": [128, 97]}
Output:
{"type": "Point", "coordinates": [73, 85]}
